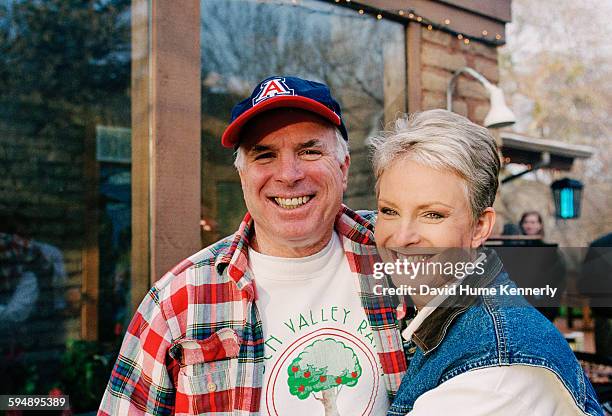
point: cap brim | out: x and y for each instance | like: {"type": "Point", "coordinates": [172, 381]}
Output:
{"type": "Point", "coordinates": [231, 135]}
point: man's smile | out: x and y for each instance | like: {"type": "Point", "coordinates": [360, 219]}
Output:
{"type": "Point", "coordinates": [292, 202]}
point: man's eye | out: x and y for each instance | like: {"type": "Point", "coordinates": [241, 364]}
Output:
{"type": "Point", "coordinates": [311, 153]}
{"type": "Point", "coordinates": [387, 211]}
{"type": "Point", "coordinates": [261, 156]}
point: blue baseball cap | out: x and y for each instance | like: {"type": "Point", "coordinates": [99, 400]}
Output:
{"type": "Point", "coordinates": [284, 92]}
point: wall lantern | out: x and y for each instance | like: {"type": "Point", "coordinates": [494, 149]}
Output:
{"type": "Point", "coordinates": [499, 114]}
{"type": "Point", "coordinates": [568, 196]}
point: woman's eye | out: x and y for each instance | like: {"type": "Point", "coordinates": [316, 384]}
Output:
{"type": "Point", "coordinates": [387, 211]}
{"type": "Point", "coordinates": [433, 216]}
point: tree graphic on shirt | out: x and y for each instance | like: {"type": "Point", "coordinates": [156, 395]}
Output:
{"type": "Point", "coordinates": [324, 367]}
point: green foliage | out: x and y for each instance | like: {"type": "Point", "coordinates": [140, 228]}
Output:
{"type": "Point", "coordinates": [19, 376]}
{"type": "Point", "coordinates": [85, 372]}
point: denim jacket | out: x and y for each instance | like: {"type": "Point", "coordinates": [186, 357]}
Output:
{"type": "Point", "coordinates": [486, 331]}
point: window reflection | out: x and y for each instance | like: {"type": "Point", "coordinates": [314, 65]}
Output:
{"type": "Point", "coordinates": [64, 70]}
{"type": "Point", "coordinates": [361, 58]}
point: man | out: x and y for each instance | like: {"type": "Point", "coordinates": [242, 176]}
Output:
{"type": "Point", "coordinates": [278, 317]}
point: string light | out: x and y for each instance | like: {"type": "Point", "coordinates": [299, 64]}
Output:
{"type": "Point", "coordinates": [429, 24]}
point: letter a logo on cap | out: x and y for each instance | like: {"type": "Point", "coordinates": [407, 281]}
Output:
{"type": "Point", "coordinates": [272, 88]}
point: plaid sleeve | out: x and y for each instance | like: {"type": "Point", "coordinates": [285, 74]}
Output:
{"type": "Point", "coordinates": [142, 379]}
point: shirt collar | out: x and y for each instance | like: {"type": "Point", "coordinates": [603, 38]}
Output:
{"type": "Point", "coordinates": [234, 257]}
{"type": "Point", "coordinates": [429, 327]}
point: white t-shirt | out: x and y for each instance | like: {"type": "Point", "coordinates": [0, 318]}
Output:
{"type": "Point", "coordinates": [320, 355]}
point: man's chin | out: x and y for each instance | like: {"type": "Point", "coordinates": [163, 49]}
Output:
{"type": "Point", "coordinates": [301, 238]}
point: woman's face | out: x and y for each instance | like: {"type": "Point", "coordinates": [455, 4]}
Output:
{"type": "Point", "coordinates": [532, 225]}
{"type": "Point", "coordinates": [421, 207]}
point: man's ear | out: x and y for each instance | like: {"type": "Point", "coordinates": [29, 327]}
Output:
{"type": "Point", "coordinates": [344, 167]}
{"type": "Point", "coordinates": [483, 227]}
{"type": "Point", "coordinates": [240, 176]}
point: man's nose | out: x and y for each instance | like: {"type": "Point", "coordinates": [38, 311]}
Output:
{"type": "Point", "coordinates": [290, 170]}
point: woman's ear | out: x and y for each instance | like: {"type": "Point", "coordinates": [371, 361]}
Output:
{"type": "Point", "coordinates": [483, 227]}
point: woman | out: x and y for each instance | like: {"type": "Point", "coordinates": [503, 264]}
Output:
{"type": "Point", "coordinates": [531, 224]}
{"type": "Point", "coordinates": [544, 265]}
{"type": "Point", "coordinates": [474, 354]}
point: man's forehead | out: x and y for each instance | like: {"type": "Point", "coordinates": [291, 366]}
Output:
{"type": "Point", "coordinates": [276, 122]}
{"type": "Point", "coordinates": [274, 145]}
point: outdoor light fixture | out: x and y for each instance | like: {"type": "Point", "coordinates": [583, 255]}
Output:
{"type": "Point", "coordinates": [568, 196]}
{"type": "Point", "coordinates": [499, 114]}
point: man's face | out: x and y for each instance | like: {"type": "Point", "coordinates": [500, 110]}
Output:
{"type": "Point", "coordinates": [292, 181]}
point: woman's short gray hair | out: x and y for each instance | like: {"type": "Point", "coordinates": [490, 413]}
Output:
{"type": "Point", "coordinates": [443, 140]}
{"type": "Point", "coordinates": [342, 151]}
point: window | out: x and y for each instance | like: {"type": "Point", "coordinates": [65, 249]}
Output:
{"type": "Point", "coordinates": [362, 59]}
{"type": "Point", "coordinates": [64, 212]}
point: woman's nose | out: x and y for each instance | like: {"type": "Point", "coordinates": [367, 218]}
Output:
{"type": "Point", "coordinates": [406, 235]}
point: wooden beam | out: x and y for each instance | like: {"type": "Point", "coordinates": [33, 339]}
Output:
{"type": "Point", "coordinates": [165, 138]}
{"type": "Point", "coordinates": [175, 133]}
{"type": "Point", "coordinates": [495, 9]}
{"type": "Point", "coordinates": [140, 90]}
{"type": "Point", "coordinates": [460, 20]}
{"type": "Point", "coordinates": [413, 63]}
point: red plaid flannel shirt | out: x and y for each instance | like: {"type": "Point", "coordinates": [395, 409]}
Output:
{"type": "Point", "coordinates": [195, 345]}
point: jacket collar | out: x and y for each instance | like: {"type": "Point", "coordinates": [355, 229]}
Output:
{"type": "Point", "coordinates": [432, 331]}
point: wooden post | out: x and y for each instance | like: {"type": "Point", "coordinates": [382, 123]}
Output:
{"type": "Point", "coordinates": [165, 138]}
